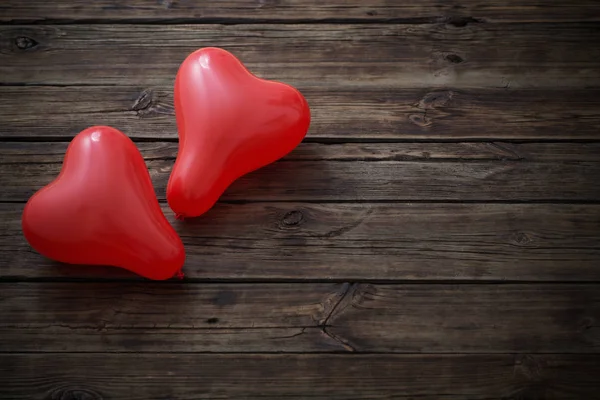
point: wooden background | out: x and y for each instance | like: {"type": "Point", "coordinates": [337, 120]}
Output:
{"type": "Point", "coordinates": [437, 235]}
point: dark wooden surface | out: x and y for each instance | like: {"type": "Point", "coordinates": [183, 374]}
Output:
{"type": "Point", "coordinates": [339, 114]}
{"type": "Point", "coordinates": [333, 376]}
{"type": "Point", "coordinates": [316, 317]}
{"type": "Point", "coordinates": [436, 236]}
{"type": "Point", "coordinates": [257, 11]}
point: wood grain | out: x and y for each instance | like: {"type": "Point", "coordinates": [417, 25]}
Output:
{"type": "Point", "coordinates": [324, 179]}
{"type": "Point", "coordinates": [329, 57]}
{"type": "Point", "coordinates": [381, 242]}
{"type": "Point", "coordinates": [339, 114]}
{"type": "Point", "coordinates": [466, 318]}
{"type": "Point", "coordinates": [294, 10]}
{"type": "Point", "coordinates": [299, 376]}
{"type": "Point", "coordinates": [400, 233]}
{"type": "Point", "coordinates": [167, 318]}
{"type": "Point", "coordinates": [92, 317]}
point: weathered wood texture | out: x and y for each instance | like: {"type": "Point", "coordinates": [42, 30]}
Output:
{"type": "Point", "coordinates": [379, 242]}
{"type": "Point", "coordinates": [344, 246]}
{"type": "Point", "coordinates": [465, 318]}
{"type": "Point", "coordinates": [113, 317]}
{"type": "Point", "coordinates": [324, 179]}
{"type": "Point", "coordinates": [192, 376]}
{"type": "Point", "coordinates": [294, 10]}
{"type": "Point", "coordinates": [340, 114]}
{"type": "Point", "coordinates": [165, 318]}
{"type": "Point", "coordinates": [328, 57]}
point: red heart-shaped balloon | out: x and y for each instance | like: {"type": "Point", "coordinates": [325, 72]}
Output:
{"type": "Point", "coordinates": [230, 123]}
{"type": "Point", "coordinates": [102, 210]}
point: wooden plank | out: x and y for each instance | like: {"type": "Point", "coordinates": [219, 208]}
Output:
{"type": "Point", "coordinates": [294, 10]}
{"type": "Point", "coordinates": [121, 317]}
{"type": "Point", "coordinates": [324, 179]}
{"type": "Point", "coordinates": [468, 318]}
{"type": "Point", "coordinates": [167, 318]}
{"type": "Point", "coordinates": [305, 55]}
{"type": "Point", "coordinates": [298, 376]}
{"type": "Point", "coordinates": [340, 114]}
{"type": "Point", "coordinates": [299, 241]}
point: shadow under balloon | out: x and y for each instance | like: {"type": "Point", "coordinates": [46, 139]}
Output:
{"type": "Point", "coordinates": [257, 211]}
{"type": "Point", "coordinates": [81, 272]}
{"type": "Point", "coordinates": [294, 179]}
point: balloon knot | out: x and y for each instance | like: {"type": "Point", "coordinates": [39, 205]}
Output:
{"type": "Point", "coordinates": [179, 274]}
{"type": "Point", "coordinates": [179, 217]}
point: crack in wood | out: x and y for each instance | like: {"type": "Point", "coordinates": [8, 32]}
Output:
{"type": "Point", "coordinates": [144, 100]}
{"type": "Point", "coordinates": [148, 105]}
{"type": "Point", "coordinates": [289, 336]}
{"type": "Point", "coordinates": [347, 346]}
{"type": "Point", "coordinates": [327, 304]}
{"type": "Point", "coordinates": [348, 292]}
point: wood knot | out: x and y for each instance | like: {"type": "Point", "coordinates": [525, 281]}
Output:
{"type": "Point", "coordinates": [586, 323]}
{"type": "Point", "coordinates": [143, 101]}
{"type": "Point", "coordinates": [420, 120]}
{"type": "Point", "coordinates": [268, 3]}
{"type": "Point", "coordinates": [293, 218]}
{"type": "Point", "coordinates": [25, 42]}
{"type": "Point", "coordinates": [529, 367]}
{"type": "Point", "coordinates": [147, 105]}
{"type": "Point", "coordinates": [461, 22]}
{"type": "Point", "coordinates": [166, 3]}
{"type": "Point", "coordinates": [454, 58]}
{"type": "Point", "coordinates": [73, 394]}
{"type": "Point", "coordinates": [433, 100]}
{"type": "Point", "coordinates": [212, 320]}
{"type": "Point", "coordinates": [522, 239]}
{"type": "Point", "coordinates": [372, 13]}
